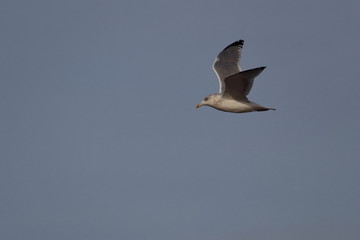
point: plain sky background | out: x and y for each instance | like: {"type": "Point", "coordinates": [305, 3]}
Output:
{"type": "Point", "coordinates": [100, 138]}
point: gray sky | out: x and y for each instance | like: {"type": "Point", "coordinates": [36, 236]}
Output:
{"type": "Point", "coordinates": [100, 138]}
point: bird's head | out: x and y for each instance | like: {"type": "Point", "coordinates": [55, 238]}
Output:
{"type": "Point", "coordinates": [209, 100]}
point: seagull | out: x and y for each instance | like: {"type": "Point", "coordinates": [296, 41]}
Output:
{"type": "Point", "coordinates": [235, 84]}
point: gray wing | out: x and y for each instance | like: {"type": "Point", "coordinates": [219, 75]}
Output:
{"type": "Point", "coordinates": [238, 85]}
{"type": "Point", "coordinates": [228, 62]}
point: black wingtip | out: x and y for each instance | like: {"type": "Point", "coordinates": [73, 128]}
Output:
{"type": "Point", "coordinates": [239, 44]}
{"type": "Point", "coordinates": [258, 68]}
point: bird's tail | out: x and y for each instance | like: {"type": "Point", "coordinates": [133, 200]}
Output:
{"type": "Point", "coordinates": [264, 109]}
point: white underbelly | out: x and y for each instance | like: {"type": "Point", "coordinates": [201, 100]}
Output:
{"type": "Point", "coordinates": [230, 105]}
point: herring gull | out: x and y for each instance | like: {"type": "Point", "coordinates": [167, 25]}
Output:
{"type": "Point", "coordinates": [235, 84]}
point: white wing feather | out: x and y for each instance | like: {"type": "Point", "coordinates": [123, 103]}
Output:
{"type": "Point", "coordinates": [228, 62]}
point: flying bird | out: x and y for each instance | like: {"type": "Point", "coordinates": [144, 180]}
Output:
{"type": "Point", "coordinates": [235, 84]}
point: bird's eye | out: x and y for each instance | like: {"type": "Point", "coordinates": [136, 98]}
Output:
{"type": "Point", "coordinates": [205, 99]}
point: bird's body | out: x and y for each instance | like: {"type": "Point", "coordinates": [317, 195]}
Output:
{"type": "Point", "coordinates": [235, 84]}
{"type": "Point", "coordinates": [235, 106]}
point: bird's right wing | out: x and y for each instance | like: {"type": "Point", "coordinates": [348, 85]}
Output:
{"type": "Point", "coordinates": [228, 62]}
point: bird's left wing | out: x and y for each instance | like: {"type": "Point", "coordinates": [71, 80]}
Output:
{"type": "Point", "coordinates": [238, 85]}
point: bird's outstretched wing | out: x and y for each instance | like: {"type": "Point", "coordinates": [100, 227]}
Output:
{"type": "Point", "coordinates": [238, 85]}
{"type": "Point", "coordinates": [228, 62]}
